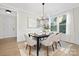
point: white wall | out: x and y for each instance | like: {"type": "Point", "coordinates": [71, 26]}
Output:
{"type": "Point", "coordinates": [22, 24]}
{"type": "Point", "coordinates": [72, 25]}
{"type": "Point", "coordinates": [76, 25]}
{"type": "Point", "coordinates": [8, 26]}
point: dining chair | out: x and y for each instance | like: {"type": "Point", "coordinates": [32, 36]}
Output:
{"type": "Point", "coordinates": [57, 39]}
{"type": "Point", "coordinates": [31, 42]}
{"type": "Point", "coordinates": [48, 42]}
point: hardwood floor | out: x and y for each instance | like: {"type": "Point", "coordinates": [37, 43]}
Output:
{"type": "Point", "coordinates": [9, 47]}
{"type": "Point", "coordinates": [66, 49]}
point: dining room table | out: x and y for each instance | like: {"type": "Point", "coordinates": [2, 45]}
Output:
{"type": "Point", "coordinates": [38, 38]}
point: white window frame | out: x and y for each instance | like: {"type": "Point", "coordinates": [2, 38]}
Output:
{"type": "Point", "coordinates": [58, 22]}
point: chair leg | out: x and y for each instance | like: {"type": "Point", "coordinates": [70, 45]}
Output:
{"type": "Point", "coordinates": [56, 45]}
{"type": "Point", "coordinates": [47, 51]}
{"type": "Point", "coordinates": [53, 47]}
{"type": "Point", "coordinates": [59, 43]}
{"type": "Point", "coordinates": [40, 45]}
{"type": "Point", "coordinates": [34, 45]}
{"type": "Point", "coordinates": [26, 46]}
{"type": "Point", "coordinates": [30, 50]}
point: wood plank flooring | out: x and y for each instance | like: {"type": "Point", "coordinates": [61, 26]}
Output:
{"type": "Point", "coordinates": [9, 47]}
{"type": "Point", "coordinates": [66, 49]}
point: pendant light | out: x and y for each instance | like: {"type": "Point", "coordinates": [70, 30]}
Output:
{"type": "Point", "coordinates": [43, 11]}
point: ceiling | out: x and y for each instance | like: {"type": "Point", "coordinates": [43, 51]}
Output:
{"type": "Point", "coordinates": [50, 8]}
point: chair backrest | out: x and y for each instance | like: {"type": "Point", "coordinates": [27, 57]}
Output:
{"type": "Point", "coordinates": [49, 41]}
{"type": "Point", "coordinates": [54, 37]}
{"type": "Point", "coordinates": [26, 37]}
{"type": "Point", "coordinates": [58, 37]}
{"type": "Point", "coordinates": [51, 37]}
{"type": "Point", "coordinates": [30, 40]}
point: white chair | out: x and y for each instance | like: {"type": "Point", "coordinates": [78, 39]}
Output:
{"type": "Point", "coordinates": [30, 42]}
{"type": "Point", "coordinates": [57, 39]}
{"type": "Point", "coordinates": [48, 42]}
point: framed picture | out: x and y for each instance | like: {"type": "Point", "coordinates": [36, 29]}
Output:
{"type": "Point", "coordinates": [32, 22]}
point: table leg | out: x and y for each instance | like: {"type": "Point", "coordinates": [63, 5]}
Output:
{"type": "Point", "coordinates": [37, 46]}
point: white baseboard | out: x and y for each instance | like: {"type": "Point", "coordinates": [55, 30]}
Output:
{"type": "Point", "coordinates": [74, 42]}
{"type": "Point", "coordinates": [7, 37]}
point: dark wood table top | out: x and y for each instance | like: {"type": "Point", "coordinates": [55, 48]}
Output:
{"type": "Point", "coordinates": [40, 36]}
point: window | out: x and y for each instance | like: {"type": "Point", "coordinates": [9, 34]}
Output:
{"type": "Point", "coordinates": [54, 24]}
{"type": "Point", "coordinates": [62, 24]}
{"type": "Point", "coordinates": [59, 22]}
